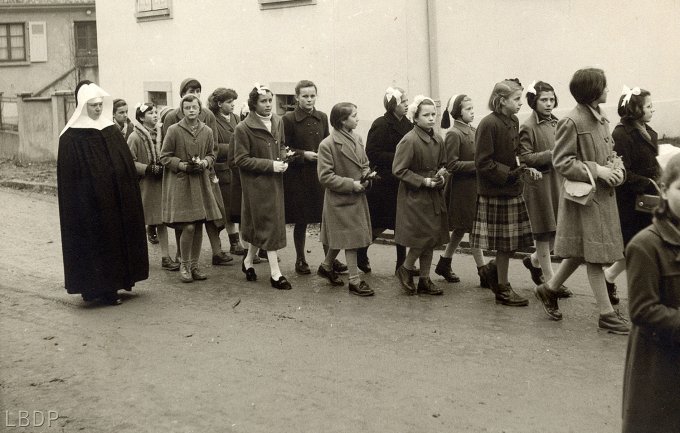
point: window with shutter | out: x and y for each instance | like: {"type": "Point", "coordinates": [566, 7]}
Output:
{"type": "Point", "coordinates": [12, 42]}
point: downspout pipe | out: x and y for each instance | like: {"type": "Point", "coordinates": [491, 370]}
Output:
{"type": "Point", "coordinates": [433, 56]}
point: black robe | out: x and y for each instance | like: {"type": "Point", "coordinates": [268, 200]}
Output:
{"type": "Point", "coordinates": [100, 211]}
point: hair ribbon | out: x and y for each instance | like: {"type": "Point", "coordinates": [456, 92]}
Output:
{"type": "Point", "coordinates": [262, 90]}
{"type": "Point", "coordinates": [391, 92]}
{"type": "Point", "coordinates": [627, 93]}
{"type": "Point", "coordinates": [452, 101]}
{"type": "Point", "coordinates": [142, 107]}
{"type": "Point", "coordinates": [532, 88]}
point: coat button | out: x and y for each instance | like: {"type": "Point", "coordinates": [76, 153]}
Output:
{"type": "Point", "coordinates": [606, 139]}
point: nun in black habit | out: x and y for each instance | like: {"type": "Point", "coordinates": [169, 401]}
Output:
{"type": "Point", "coordinates": [100, 208]}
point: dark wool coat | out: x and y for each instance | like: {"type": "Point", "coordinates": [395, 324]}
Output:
{"type": "Point", "coordinates": [639, 157]}
{"type": "Point", "coordinates": [206, 116]}
{"type": "Point", "coordinates": [592, 232]}
{"type": "Point", "coordinates": [496, 146]}
{"type": "Point", "coordinates": [188, 197]}
{"type": "Point", "coordinates": [100, 212]}
{"type": "Point", "coordinates": [461, 190]}
{"type": "Point", "coordinates": [147, 150]}
{"type": "Point", "coordinates": [127, 128]}
{"type": "Point", "coordinates": [346, 219]}
{"type": "Point", "coordinates": [304, 194]}
{"type": "Point", "coordinates": [263, 222]}
{"type": "Point", "coordinates": [542, 197]}
{"type": "Point", "coordinates": [422, 221]}
{"type": "Point", "coordinates": [381, 143]}
{"type": "Point", "coordinates": [225, 133]}
{"type": "Point", "coordinates": [651, 380]}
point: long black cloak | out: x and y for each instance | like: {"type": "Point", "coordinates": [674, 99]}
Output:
{"type": "Point", "coordinates": [100, 209]}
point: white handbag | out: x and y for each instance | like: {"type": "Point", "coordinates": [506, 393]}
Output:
{"type": "Point", "coordinates": [580, 192]}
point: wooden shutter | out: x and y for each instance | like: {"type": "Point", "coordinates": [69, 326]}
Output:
{"type": "Point", "coordinates": [37, 36]}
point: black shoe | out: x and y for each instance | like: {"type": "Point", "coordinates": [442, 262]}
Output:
{"type": "Point", "coordinates": [365, 266]}
{"type": "Point", "coordinates": [444, 269]}
{"type": "Point", "coordinates": [506, 296]}
{"type": "Point", "coordinates": [331, 276]}
{"type": "Point", "coordinates": [362, 289]}
{"type": "Point", "coordinates": [301, 267]}
{"type": "Point", "coordinates": [153, 238]}
{"type": "Point", "coordinates": [427, 287]}
{"type": "Point", "coordinates": [611, 291]}
{"type": "Point", "coordinates": [263, 254]}
{"type": "Point", "coordinates": [563, 292]}
{"type": "Point", "coordinates": [339, 267]}
{"type": "Point", "coordinates": [536, 273]}
{"type": "Point", "coordinates": [489, 274]}
{"type": "Point", "coordinates": [281, 284]}
{"type": "Point", "coordinates": [250, 272]}
{"type": "Point", "coordinates": [222, 259]}
{"type": "Point", "coordinates": [549, 300]}
{"type": "Point", "coordinates": [406, 281]}
{"type": "Point", "coordinates": [483, 283]}
{"type": "Point", "coordinates": [110, 299]}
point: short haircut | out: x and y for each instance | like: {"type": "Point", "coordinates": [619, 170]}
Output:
{"type": "Point", "coordinates": [391, 105]}
{"type": "Point", "coordinates": [254, 96]}
{"type": "Point", "coordinates": [220, 95]}
{"type": "Point", "coordinates": [341, 112]}
{"type": "Point", "coordinates": [540, 86]}
{"type": "Point", "coordinates": [190, 84]}
{"type": "Point", "coordinates": [139, 113]}
{"type": "Point", "coordinates": [634, 109]}
{"type": "Point", "coordinates": [190, 98]}
{"type": "Point", "coordinates": [302, 84]}
{"type": "Point", "coordinates": [78, 86]}
{"type": "Point", "coordinates": [587, 85]}
{"type": "Point", "coordinates": [117, 103]}
{"type": "Point", "coordinates": [503, 90]}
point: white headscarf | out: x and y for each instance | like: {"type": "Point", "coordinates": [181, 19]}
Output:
{"type": "Point", "coordinates": [80, 119]}
{"type": "Point", "coordinates": [413, 107]}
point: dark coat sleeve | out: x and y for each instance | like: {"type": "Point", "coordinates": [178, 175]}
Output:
{"type": "Point", "coordinates": [487, 167]}
{"type": "Point", "coordinates": [624, 145]}
{"type": "Point", "coordinates": [377, 142]}
{"type": "Point", "coordinates": [656, 320]}
{"type": "Point", "coordinates": [454, 164]}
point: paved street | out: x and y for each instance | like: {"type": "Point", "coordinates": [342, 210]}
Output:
{"type": "Point", "coordinates": [192, 358]}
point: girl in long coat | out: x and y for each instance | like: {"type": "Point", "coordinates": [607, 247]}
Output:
{"type": "Point", "coordinates": [536, 144]}
{"type": "Point", "coordinates": [305, 127]}
{"type": "Point", "coordinates": [188, 196]}
{"type": "Point", "coordinates": [460, 192]}
{"type": "Point", "coordinates": [587, 233]}
{"type": "Point", "coordinates": [145, 146]}
{"type": "Point", "coordinates": [221, 103]}
{"type": "Point", "coordinates": [422, 222]}
{"type": "Point", "coordinates": [260, 154]}
{"type": "Point", "coordinates": [651, 380]}
{"type": "Point", "coordinates": [381, 144]}
{"type": "Point", "coordinates": [342, 168]}
{"type": "Point", "coordinates": [636, 143]}
{"type": "Point", "coordinates": [100, 208]}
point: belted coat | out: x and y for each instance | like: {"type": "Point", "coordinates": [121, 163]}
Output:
{"type": "Point", "coordinates": [422, 220]}
{"type": "Point", "coordinates": [263, 222]}
{"type": "Point", "coordinates": [346, 222]}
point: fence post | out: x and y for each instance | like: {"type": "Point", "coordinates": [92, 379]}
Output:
{"type": "Point", "coordinates": [22, 124]}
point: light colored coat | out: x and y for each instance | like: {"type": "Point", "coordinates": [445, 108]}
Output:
{"type": "Point", "coordinates": [591, 232]}
{"type": "Point", "coordinates": [346, 221]}
{"type": "Point", "coordinates": [422, 221]}
{"type": "Point", "coordinates": [542, 197]}
{"type": "Point", "coordinates": [188, 197]}
{"type": "Point", "coordinates": [263, 222]}
{"type": "Point", "coordinates": [140, 142]}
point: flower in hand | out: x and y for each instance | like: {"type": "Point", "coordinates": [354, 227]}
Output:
{"type": "Point", "coordinates": [289, 155]}
{"type": "Point", "coordinates": [371, 175]}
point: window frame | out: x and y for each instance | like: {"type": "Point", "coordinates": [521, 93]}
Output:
{"type": "Point", "coordinates": [153, 14]}
{"type": "Point", "coordinates": [27, 54]}
{"type": "Point", "coordinates": [278, 4]}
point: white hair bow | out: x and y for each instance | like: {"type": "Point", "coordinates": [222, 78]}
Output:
{"type": "Point", "coordinates": [627, 92]}
{"type": "Point", "coordinates": [262, 90]}
{"type": "Point", "coordinates": [393, 93]}
{"type": "Point", "coordinates": [142, 107]}
{"type": "Point", "coordinates": [413, 107]}
{"type": "Point", "coordinates": [532, 88]}
{"type": "Point", "coordinates": [452, 100]}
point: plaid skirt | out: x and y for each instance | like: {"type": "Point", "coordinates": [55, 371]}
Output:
{"type": "Point", "coordinates": [501, 224]}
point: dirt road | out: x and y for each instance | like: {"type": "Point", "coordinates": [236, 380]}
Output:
{"type": "Point", "coordinates": [185, 358]}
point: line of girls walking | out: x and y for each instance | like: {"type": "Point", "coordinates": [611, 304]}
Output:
{"type": "Point", "coordinates": [499, 183]}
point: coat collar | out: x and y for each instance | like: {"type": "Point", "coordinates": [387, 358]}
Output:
{"type": "Point", "coordinates": [668, 232]}
{"type": "Point", "coordinates": [599, 116]}
{"type": "Point", "coordinates": [348, 143]}
{"type": "Point", "coordinates": [229, 123]}
{"type": "Point", "coordinates": [254, 122]}
{"type": "Point", "coordinates": [633, 130]}
{"type": "Point", "coordinates": [552, 120]}
{"type": "Point", "coordinates": [507, 121]}
{"type": "Point", "coordinates": [463, 127]}
{"type": "Point", "coordinates": [301, 114]}
{"type": "Point", "coordinates": [185, 125]}
{"type": "Point", "coordinates": [403, 126]}
{"type": "Point", "coordinates": [423, 135]}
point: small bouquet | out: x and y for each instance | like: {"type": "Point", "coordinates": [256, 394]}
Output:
{"type": "Point", "coordinates": [371, 175]}
{"type": "Point", "coordinates": [614, 161]}
{"type": "Point", "coordinates": [290, 155]}
{"type": "Point", "coordinates": [194, 165]}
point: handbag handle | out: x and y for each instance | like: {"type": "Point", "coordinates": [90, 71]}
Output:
{"type": "Point", "coordinates": [590, 175]}
{"type": "Point", "coordinates": [656, 186]}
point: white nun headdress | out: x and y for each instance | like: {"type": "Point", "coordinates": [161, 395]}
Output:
{"type": "Point", "coordinates": [80, 119]}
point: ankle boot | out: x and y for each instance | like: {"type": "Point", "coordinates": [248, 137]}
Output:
{"type": "Point", "coordinates": [444, 269]}
{"type": "Point", "coordinates": [506, 296]}
{"type": "Point", "coordinates": [235, 245]}
{"type": "Point", "coordinates": [185, 273]}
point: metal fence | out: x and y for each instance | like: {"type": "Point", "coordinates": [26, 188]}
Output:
{"type": "Point", "coordinates": [9, 115]}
